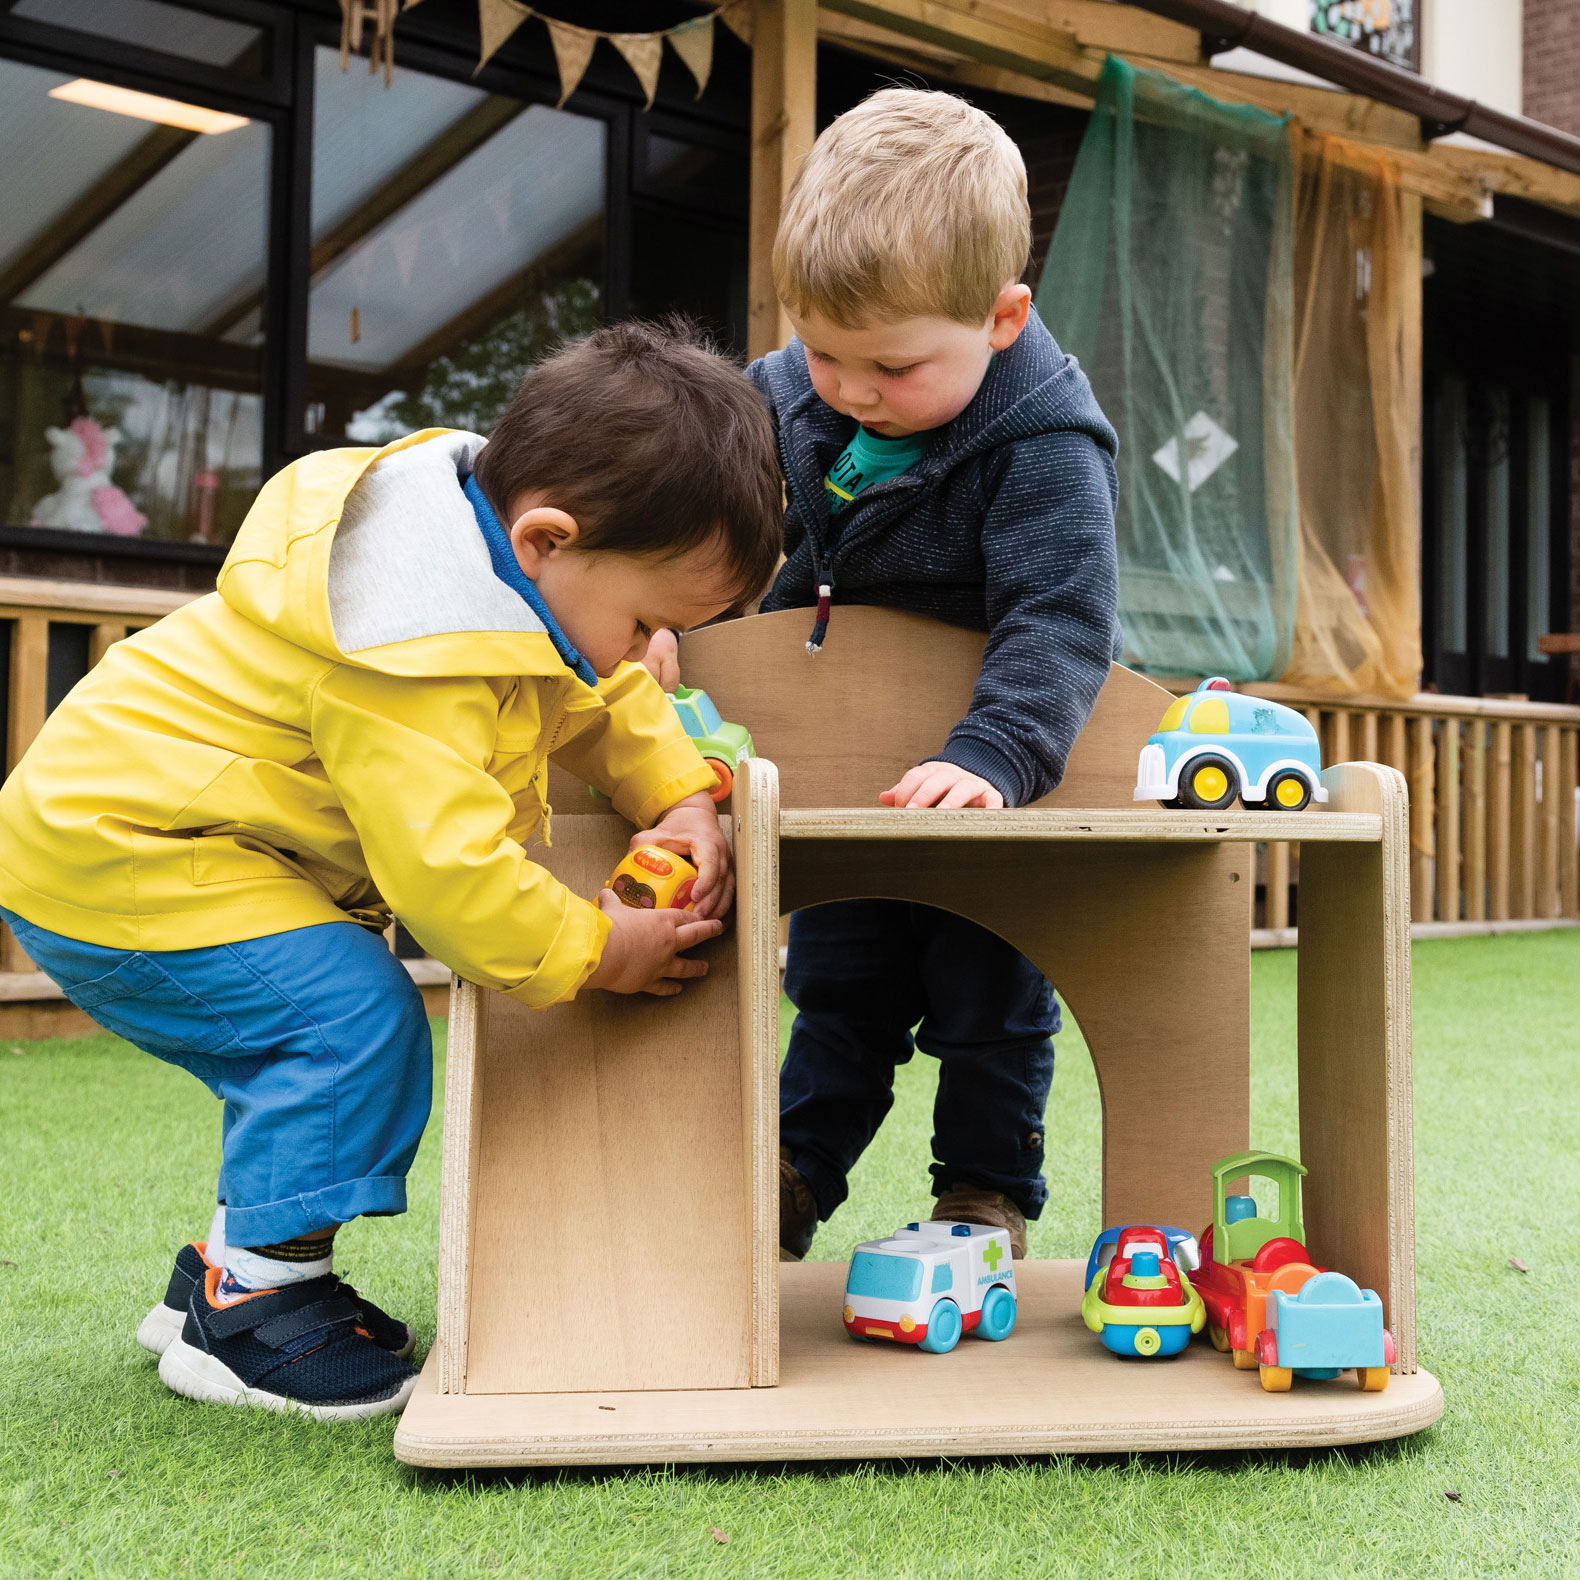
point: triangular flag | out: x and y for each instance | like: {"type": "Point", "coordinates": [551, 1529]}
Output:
{"type": "Point", "coordinates": [644, 53]}
{"type": "Point", "coordinates": [496, 21]}
{"type": "Point", "coordinates": [737, 17]}
{"type": "Point", "coordinates": [573, 47]}
{"type": "Point", "coordinates": [693, 42]}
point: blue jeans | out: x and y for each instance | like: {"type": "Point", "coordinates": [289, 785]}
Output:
{"type": "Point", "coordinates": [861, 974]}
{"type": "Point", "coordinates": [315, 1040]}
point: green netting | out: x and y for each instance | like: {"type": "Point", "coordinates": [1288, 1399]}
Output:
{"type": "Point", "coordinates": [1170, 277]}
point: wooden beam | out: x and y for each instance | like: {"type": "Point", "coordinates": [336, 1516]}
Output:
{"type": "Point", "coordinates": [86, 213]}
{"type": "Point", "coordinates": [457, 142]}
{"type": "Point", "coordinates": [159, 353]}
{"type": "Point", "coordinates": [1511, 175]}
{"type": "Point", "coordinates": [784, 122]}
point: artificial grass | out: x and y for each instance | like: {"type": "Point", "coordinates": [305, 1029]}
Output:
{"type": "Point", "coordinates": [106, 1164]}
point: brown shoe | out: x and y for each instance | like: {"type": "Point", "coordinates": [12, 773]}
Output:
{"type": "Point", "coordinates": [797, 1211]}
{"type": "Point", "coordinates": [972, 1204]}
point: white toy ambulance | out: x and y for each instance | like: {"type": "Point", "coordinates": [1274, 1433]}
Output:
{"type": "Point", "coordinates": [931, 1282]}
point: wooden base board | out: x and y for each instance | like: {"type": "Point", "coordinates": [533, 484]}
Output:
{"type": "Point", "coordinates": [1049, 1388]}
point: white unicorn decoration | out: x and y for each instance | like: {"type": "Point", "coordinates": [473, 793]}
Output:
{"type": "Point", "coordinates": [82, 457]}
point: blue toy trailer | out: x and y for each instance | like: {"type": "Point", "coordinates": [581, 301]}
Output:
{"type": "Point", "coordinates": [1327, 1326]}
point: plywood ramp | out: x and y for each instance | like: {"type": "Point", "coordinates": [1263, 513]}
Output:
{"type": "Point", "coordinates": [1049, 1388]}
{"type": "Point", "coordinates": [610, 1164]}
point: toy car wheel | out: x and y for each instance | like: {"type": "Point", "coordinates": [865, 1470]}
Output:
{"type": "Point", "coordinates": [1373, 1379]}
{"type": "Point", "coordinates": [1287, 792]}
{"type": "Point", "coordinates": [943, 1328]}
{"type": "Point", "coordinates": [998, 1315]}
{"type": "Point", "coordinates": [1244, 1361]}
{"type": "Point", "coordinates": [1209, 783]}
{"type": "Point", "coordinates": [721, 791]}
{"type": "Point", "coordinates": [1220, 1338]}
{"type": "Point", "coordinates": [1276, 1379]}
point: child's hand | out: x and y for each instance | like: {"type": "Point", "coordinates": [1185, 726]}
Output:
{"type": "Point", "coordinates": [942, 785]}
{"type": "Point", "coordinates": [642, 951]}
{"type": "Point", "coordinates": [662, 660]}
{"type": "Point", "coordinates": [692, 827]}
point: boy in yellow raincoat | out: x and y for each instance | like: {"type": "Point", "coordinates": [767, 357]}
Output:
{"type": "Point", "coordinates": [205, 841]}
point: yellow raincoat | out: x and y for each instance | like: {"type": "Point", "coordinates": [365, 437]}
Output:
{"type": "Point", "coordinates": [233, 771]}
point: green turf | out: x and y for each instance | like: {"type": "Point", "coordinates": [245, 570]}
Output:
{"type": "Point", "coordinates": [106, 1161]}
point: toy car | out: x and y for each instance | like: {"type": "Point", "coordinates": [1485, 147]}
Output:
{"type": "Point", "coordinates": [1324, 1327]}
{"type": "Point", "coordinates": [1139, 1299]}
{"type": "Point", "coordinates": [653, 879]}
{"type": "Point", "coordinates": [1245, 1258]}
{"type": "Point", "coordinates": [929, 1283]}
{"type": "Point", "coordinates": [723, 746]}
{"type": "Point", "coordinates": [1215, 745]}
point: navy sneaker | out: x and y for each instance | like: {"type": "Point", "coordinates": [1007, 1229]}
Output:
{"type": "Point", "coordinates": [162, 1326]}
{"type": "Point", "coordinates": [300, 1350]}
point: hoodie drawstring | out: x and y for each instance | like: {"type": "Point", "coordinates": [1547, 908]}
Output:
{"type": "Point", "coordinates": [825, 596]}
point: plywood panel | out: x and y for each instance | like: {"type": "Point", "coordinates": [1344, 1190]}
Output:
{"type": "Point", "coordinates": [881, 696]}
{"type": "Point", "coordinates": [1049, 1388]}
{"type": "Point", "coordinates": [1354, 1028]}
{"type": "Point", "coordinates": [612, 1194]}
{"type": "Point", "coordinates": [1148, 946]}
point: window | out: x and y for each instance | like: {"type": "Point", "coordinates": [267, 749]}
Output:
{"type": "Point", "coordinates": [129, 384]}
{"type": "Point", "coordinates": [882, 1277]}
{"type": "Point", "coordinates": [457, 236]}
{"type": "Point", "coordinates": [943, 1279]}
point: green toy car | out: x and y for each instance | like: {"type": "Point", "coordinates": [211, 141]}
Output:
{"type": "Point", "coordinates": [723, 745]}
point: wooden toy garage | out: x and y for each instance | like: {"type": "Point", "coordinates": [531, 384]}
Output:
{"type": "Point", "coordinates": [609, 1283]}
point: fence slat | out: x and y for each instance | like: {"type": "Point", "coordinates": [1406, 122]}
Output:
{"type": "Point", "coordinates": [1448, 835]}
{"type": "Point", "coordinates": [1499, 795]}
{"type": "Point", "coordinates": [1339, 737]}
{"type": "Point", "coordinates": [1474, 813]}
{"type": "Point", "coordinates": [1278, 884]}
{"type": "Point", "coordinates": [1368, 751]}
{"type": "Point", "coordinates": [105, 635]}
{"type": "Point", "coordinates": [1547, 901]}
{"type": "Point", "coordinates": [1522, 833]}
{"type": "Point", "coordinates": [1568, 855]}
{"type": "Point", "coordinates": [1422, 801]}
{"type": "Point", "coordinates": [1398, 754]}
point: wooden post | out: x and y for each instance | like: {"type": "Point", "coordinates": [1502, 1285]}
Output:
{"type": "Point", "coordinates": [1522, 832]}
{"type": "Point", "coordinates": [1398, 754]}
{"type": "Point", "coordinates": [1568, 871]}
{"type": "Point", "coordinates": [784, 122]}
{"type": "Point", "coordinates": [1368, 751]}
{"type": "Point", "coordinates": [1475, 814]}
{"type": "Point", "coordinates": [1547, 882]}
{"type": "Point", "coordinates": [105, 636]}
{"type": "Point", "coordinates": [1339, 739]}
{"type": "Point", "coordinates": [1448, 820]}
{"type": "Point", "coordinates": [1277, 883]}
{"type": "Point", "coordinates": [1498, 819]}
{"type": "Point", "coordinates": [1422, 798]}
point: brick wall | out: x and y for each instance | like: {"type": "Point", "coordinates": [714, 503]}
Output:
{"type": "Point", "coordinates": [1552, 63]}
{"type": "Point", "coordinates": [1049, 137]}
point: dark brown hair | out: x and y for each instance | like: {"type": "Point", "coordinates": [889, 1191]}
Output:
{"type": "Point", "coordinates": [654, 441]}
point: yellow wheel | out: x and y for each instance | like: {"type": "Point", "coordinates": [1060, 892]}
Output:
{"type": "Point", "coordinates": [1373, 1379]}
{"type": "Point", "coordinates": [1209, 784]}
{"type": "Point", "coordinates": [1288, 792]}
{"type": "Point", "coordinates": [1276, 1379]}
{"type": "Point", "coordinates": [1147, 1341]}
{"type": "Point", "coordinates": [1220, 1339]}
{"type": "Point", "coordinates": [1244, 1361]}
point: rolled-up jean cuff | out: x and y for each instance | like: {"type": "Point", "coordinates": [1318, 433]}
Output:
{"type": "Point", "coordinates": [335, 1204]}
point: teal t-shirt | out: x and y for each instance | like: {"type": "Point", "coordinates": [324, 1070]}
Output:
{"type": "Point", "coordinates": [867, 459]}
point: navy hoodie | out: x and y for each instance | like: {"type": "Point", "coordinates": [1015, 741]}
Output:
{"type": "Point", "coordinates": [1006, 525]}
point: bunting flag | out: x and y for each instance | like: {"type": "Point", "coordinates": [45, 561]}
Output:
{"type": "Point", "coordinates": [573, 47]}
{"type": "Point", "coordinates": [693, 42]}
{"type": "Point", "coordinates": [497, 20]}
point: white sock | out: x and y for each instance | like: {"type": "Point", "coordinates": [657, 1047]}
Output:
{"type": "Point", "coordinates": [214, 1250]}
{"type": "Point", "coordinates": [246, 1270]}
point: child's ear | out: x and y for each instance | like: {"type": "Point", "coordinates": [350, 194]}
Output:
{"type": "Point", "coordinates": [1011, 309]}
{"type": "Point", "coordinates": [540, 532]}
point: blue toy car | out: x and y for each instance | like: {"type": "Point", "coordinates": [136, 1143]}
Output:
{"type": "Point", "coordinates": [1215, 745]}
{"type": "Point", "coordinates": [1326, 1326]}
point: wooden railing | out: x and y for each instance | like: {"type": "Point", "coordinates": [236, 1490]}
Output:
{"type": "Point", "coordinates": [1492, 806]}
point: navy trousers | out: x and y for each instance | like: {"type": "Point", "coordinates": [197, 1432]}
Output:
{"type": "Point", "coordinates": [862, 974]}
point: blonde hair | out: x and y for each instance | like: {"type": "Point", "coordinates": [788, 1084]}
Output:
{"type": "Point", "coordinates": [911, 205]}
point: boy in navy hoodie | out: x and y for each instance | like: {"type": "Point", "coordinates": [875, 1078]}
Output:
{"type": "Point", "coordinates": [942, 455]}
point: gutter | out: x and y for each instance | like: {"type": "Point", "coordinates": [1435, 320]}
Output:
{"type": "Point", "coordinates": [1225, 25]}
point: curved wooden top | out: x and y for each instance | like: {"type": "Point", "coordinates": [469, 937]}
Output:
{"type": "Point", "coordinates": [883, 695]}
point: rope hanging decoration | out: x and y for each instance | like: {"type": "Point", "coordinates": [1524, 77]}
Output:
{"type": "Point", "coordinates": [691, 40]}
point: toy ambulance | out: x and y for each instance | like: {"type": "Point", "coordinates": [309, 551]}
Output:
{"type": "Point", "coordinates": [929, 1283]}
